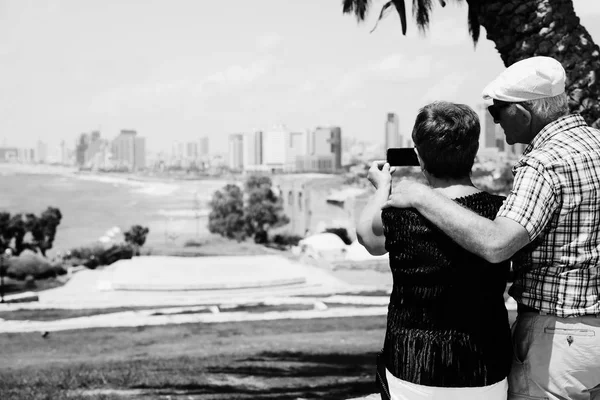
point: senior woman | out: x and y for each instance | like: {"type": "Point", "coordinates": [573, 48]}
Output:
{"type": "Point", "coordinates": [447, 333]}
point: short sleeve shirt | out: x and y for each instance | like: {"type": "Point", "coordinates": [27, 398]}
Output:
{"type": "Point", "coordinates": [556, 198]}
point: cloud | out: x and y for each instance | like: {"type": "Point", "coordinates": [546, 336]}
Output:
{"type": "Point", "coordinates": [153, 93]}
{"type": "Point", "coordinates": [307, 86]}
{"type": "Point", "coordinates": [393, 68]}
{"type": "Point", "coordinates": [399, 67]}
{"type": "Point", "coordinates": [586, 8]}
{"type": "Point", "coordinates": [237, 74]}
{"type": "Point", "coordinates": [268, 42]}
{"type": "Point", "coordinates": [349, 82]}
{"type": "Point", "coordinates": [449, 32]}
{"type": "Point", "coordinates": [447, 87]}
{"type": "Point", "coordinates": [356, 105]}
{"type": "Point", "coordinates": [388, 63]}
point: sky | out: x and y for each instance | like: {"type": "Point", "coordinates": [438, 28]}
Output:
{"type": "Point", "coordinates": [178, 70]}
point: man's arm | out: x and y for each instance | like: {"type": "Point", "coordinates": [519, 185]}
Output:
{"type": "Point", "coordinates": [495, 241]}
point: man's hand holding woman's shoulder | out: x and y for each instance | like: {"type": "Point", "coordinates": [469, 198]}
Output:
{"type": "Point", "coordinates": [405, 194]}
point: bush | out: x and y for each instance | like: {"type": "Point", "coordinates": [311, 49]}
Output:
{"type": "Point", "coordinates": [59, 269]}
{"type": "Point", "coordinates": [342, 233]}
{"type": "Point", "coordinates": [136, 235]}
{"type": "Point", "coordinates": [192, 243]}
{"type": "Point", "coordinates": [86, 252]}
{"type": "Point", "coordinates": [115, 253]}
{"type": "Point", "coordinates": [287, 239]}
{"type": "Point", "coordinates": [29, 282]}
{"type": "Point", "coordinates": [31, 264]}
{"type": "Point", "coordinates": [96, 255]}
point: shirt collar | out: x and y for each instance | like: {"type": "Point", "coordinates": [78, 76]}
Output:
{"type": "Point", "coordinates": [562, 124]}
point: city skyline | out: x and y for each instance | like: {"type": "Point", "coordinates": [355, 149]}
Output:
{"type": "Point", "coordinates": [183, 71]}
{"type": "Point", "coordinates": [277, 149]}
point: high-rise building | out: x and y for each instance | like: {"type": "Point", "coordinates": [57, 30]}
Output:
{"type": "Point", "coordinates": [41, 154]}
{"type": "Point", "coordinates": [336, 147]}
{"type": "Point", "coordinates": [9, 154]}
{"type": "Point", "coordinates": [296, 149]}
{"type": "Point", "coordinates": [487, 138]}
{"type": "Point", "coordinates": [252, 150]}
{"type": "Point", "coordinates": [203, 146]}
{"type": "Point", "coordinates": [81, 147]}
{"type": "Point", "coordinates": [25, 155]}
{"type": "Point", "coordinates": [492, 137]}
{"type": "Point", "coordinates": [275, 148]}
{"type": "Point", "coordinates": [64, 153]}
{"type": "Point", "coordinates": [139, 159]}
{"type": "Point", "coordinates": [236, 151]}
{"type": "Point", "coordinates": [191, 150]}
{"type": "Point", "coordinates": [392, 131]}
{"type": "Point", "coordinates": [280, 150]}
{"type": "Point", "coordinates": [129, 151]}
{"type": "Point", "coordinates": [95, 136]}
{"type": "Point", "coordinates": [323, 151]}
{"type": "Point", "coordinates": [93, 155]}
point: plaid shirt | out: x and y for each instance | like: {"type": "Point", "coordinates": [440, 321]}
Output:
{"type": "Point", "coordinates": [556, 198]}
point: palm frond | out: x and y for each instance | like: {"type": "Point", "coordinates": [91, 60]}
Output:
{"type": "Point", "coordinates": [400, 7]}
{"type": "Point", "coordinates": [474, 28]}
{"type": "Point", "coordinates": [384, 12]}
{"type": "Point", "coordinates": [358, 7]}
{"type": "Point", "coordinates": [421, 10]}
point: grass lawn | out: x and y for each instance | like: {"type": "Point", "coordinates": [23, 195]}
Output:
{"type": "Point", "coordinates": [286, 359]}
{"type": "Point", "coordinates": [53, 314]}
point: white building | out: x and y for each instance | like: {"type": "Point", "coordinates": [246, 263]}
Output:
{"type": "Point", "coordinates": [392, 132]}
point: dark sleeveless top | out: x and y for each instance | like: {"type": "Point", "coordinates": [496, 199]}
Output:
{"type": "Point", "coordinates": [447, 323]}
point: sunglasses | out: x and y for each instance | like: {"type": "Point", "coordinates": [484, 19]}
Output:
{"type": "Point", "coordinates": [495, 108]}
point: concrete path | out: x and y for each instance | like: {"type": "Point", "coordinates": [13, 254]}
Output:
{"type": "Point", "coordinates": [170, 281]}
{"type": "Point", "coordinates": [201, 290]}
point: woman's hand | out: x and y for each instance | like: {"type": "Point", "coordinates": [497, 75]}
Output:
{"type": "Point", "coordinates": [405, 194]}
{"type": "Point", "coordinates": [380, 174]}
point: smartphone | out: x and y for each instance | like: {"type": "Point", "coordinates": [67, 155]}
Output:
{"type": "Point", "coordinates": [402, 157]}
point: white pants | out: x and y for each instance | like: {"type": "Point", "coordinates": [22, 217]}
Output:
{"type": "Point", "coordinates": [403, 390]}
{"type": "Point", "coordinates": [555, 358]}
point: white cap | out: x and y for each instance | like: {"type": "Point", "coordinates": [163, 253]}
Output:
{"type": "Point", "coordinates": [529, 79]}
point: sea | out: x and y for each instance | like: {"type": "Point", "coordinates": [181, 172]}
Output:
{"type": "Point", "coordinates": [93, 205]}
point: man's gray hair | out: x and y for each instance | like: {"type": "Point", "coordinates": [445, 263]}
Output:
{"type": "Point", "coordinates": [549, 108]}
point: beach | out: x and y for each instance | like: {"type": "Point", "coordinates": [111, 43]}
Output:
{"type": "Point", "coordinates": [92, 203]}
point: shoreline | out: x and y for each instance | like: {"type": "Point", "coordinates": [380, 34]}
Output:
{"type": "Point", "coordinates": [128, 178]}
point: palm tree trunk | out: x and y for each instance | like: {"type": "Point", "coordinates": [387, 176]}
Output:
{"type": "Point", "coordinates": [526, 28]}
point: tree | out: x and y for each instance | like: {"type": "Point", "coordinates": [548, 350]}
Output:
{"type": "Point", "coordinates": [17, 231]}
{"type": "Point", "coordinates": [42, 230]}
{"type": "Point", "coordinates": [264, 209]}
{"type": "Point", "coordinates": [136, 237]}
{"type": "Point", "coordinates": [5, 237]}
{"type": "Point", "coordinates": [237, 215]}
{"type": "Point", "coordinates": [227, 213]}
{"type": "Point", "coordinates": [522, 29]}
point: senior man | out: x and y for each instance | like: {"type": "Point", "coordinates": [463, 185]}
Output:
{"type": "Point", "coordinates": [549, 225]}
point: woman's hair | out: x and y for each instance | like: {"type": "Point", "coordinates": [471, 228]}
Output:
{"type": "Point", "coordinates": [549, 109]}
{"type": "Point", "coordinates": [447, 138]}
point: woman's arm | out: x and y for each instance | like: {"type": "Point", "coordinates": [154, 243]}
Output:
{"type": "Point", "coordinates": [370, 228]}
